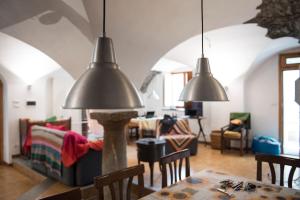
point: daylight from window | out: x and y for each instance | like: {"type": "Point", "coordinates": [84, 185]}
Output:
{"type": "Point", "coordinates": [290, 113]}
{"type": "Point", "coordinates": [173, 85]}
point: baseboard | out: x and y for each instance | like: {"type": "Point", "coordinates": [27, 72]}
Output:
{"type": "Point", "coordinates": [5, 163]}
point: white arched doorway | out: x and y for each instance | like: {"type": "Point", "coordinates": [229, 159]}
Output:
{"type": "Point", "coordinates": [1, 123]}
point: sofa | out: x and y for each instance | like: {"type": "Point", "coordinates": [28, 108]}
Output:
{"type": "Point", "coordinates": [49, 141]}
{"type": "Point", "coordinates": [177, 134]}
{"type": "Point", "coordinates": [25, 124]}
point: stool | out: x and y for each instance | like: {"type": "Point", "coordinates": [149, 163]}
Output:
{"type": "Point", "coordinates": [267, 145]}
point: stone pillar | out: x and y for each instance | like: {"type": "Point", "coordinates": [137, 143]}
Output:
{"type": "Point", "coordinates": [114, 156]}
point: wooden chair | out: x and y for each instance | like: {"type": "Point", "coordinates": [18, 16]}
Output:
{"type": "Point", "coordinates": [239, 135]}
{"type": "Point", "coordinates": [133, 130]}
{"type": "Point", "coordinates": [172, 159]}
{"type": "Point", "coordinates": [282, 161]}
{"type": "Point", "coordinates": [74, 194]}
{"type": "Point", "coordinates": [118, 177]}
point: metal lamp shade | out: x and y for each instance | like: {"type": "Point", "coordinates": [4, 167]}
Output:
{"type": "Point", "coordinates": [203, 87]}
{"type": "Point", "coordinates": [103, 85]}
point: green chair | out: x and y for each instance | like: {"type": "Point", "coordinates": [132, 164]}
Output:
{"type": "Point", "coordinates": [237, 129]}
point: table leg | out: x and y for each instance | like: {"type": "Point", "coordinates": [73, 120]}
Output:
{"type": "Point", "coordinates": [151, 165]}
{"type": "Point", "coordinates": [201, 131]}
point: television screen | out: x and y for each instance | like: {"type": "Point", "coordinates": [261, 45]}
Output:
{"type": "Point", "coordinates": [194, 109]}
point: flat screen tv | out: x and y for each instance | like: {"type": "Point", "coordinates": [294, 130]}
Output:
{"type": "Point", "coordinates": [194, 109]}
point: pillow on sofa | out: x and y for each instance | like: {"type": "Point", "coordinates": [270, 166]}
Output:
{"type": "Point", "coordinates": [56, 127]}
{"type": "Point", "coordinates": [51, 119]}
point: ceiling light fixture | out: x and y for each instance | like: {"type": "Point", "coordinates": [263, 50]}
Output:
{"type": "Point", "coordinates": [203, 86]}
{"type": "Point", "coordinates": [103, 85]}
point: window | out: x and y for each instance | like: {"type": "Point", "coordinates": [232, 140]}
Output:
{"type": "Point", "coordinates": [288, 108]}
{"type": "Point", "coordinates": [173, 85]}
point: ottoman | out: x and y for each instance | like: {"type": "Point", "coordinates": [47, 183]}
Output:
{"type": "Point", "coordinates": [266, 144]}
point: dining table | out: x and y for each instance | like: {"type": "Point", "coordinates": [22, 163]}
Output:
{"type": "Point", "coordinates": [206, 185]}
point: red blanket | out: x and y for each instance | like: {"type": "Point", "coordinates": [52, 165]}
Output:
{"type": "Point", "coordinates": [75, 146]}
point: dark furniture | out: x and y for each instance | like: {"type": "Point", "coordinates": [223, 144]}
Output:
{"type": "Point", "coordinates": [171, 161]}
{"type": "Point", "coordinates": [193, 109]}
{"type": "Point", "coordinates": [238, 132]}
{"type": "Point", "coordinates": [150, 114]}
{"type": "Point", "coordinates": [74, 194]}
{"type": "Point", "coordinates": [133, 130]}
{"type": "Point", "coordinates": [81, 173]}
{"type": "Point", "coordinates": [293, 162]}
{"type": "Point", "coordinates": [118, 178]}
{"type": "Point", "coordinates": [203, 186]}
{"type": "Point", "coordinates": [150, 150]}
{"type": "Point", "coordinates": [25, 124]}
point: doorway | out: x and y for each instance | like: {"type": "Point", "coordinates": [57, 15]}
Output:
{"type": "Point", "coordinates": [289, 112]}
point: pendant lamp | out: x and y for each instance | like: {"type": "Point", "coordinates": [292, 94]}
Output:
{"type": "Point", "coordinates": [103, 85]}
{"type": "Point", "coordinates": [203, 86]}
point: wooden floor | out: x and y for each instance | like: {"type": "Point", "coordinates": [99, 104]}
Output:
{"type": "Point", "coordinates": [13, 183]}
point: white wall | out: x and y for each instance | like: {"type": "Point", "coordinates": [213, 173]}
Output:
{"type": "Point", "coordinates": [15, 96]}
{"type": "Point", "coordinates": [220, 110]}
{"type": "Point", "coordinates": [60, 82]}
{"type": "Point", "coordinates": [49, 94]}
{"type": "Point", "coordinates": [261, 98]}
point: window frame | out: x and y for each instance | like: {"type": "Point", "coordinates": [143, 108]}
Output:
{"type": "Point", "coordinates": [283, 66]}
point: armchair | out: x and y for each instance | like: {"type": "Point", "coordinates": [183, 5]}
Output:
{"type": "Point", "coordinates": [237, 129]}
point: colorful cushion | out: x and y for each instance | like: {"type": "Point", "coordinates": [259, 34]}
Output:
{"type": "Point", "coordinates": [51, 119]}
{"type": "Point", "coordinates": [236, 122]}
{"type": "Point", "coordinates": [232, 134]}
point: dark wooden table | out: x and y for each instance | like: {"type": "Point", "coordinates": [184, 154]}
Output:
{"type": "Point", "coordinates": [150, 150]}
{"type": "Point", "coordinates": [204, 185]}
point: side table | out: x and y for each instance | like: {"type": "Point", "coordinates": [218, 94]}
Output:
{"type": "Point", "coordinates": [150, 150]}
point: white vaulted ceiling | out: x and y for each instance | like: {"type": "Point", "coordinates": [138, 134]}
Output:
{"type": "Point", "coordinates": [28, 63]}
{"type": "Point", "coordinates": [232, 50]}
{"type": "Point", "coordinates": [142, 30]}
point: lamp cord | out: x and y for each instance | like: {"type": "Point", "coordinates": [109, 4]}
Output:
{"type": "Point", "coordinates": [104, 15]}
{"type": "Point", "coordinates": [202, 27]}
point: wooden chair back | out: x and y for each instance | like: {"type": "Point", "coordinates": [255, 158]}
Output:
{"type": "Point", "coordinates": [118, 178]}
{"type": "Point", "coordinates": [282, 161]}
{"type": "Point", "coordinates": [171, 161]}
{"type": "Point", "coordinates": [74, 194]}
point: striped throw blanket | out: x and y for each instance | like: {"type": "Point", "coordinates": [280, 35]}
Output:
{"type": "Point", "coordinates": [179, 136]}
{"type": "Point", "coordinates": [46, 148]}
